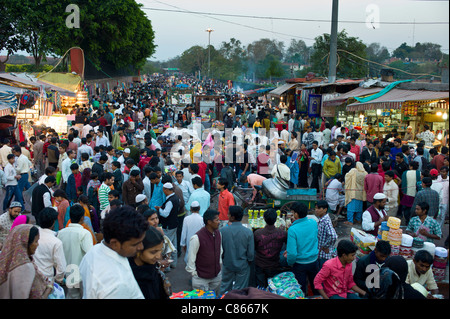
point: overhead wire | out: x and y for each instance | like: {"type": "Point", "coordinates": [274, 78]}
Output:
{"type": "Point", "coordinates": [181, 10]}
{"type": "Point", "coordinates": [294, 19]}
{"type": "Point", "coordinates": [387, 66]}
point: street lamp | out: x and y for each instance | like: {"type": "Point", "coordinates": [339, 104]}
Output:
{"type": "Point", "coordinates": [209, 30]}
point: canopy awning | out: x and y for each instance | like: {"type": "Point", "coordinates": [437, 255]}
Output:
{"type": "Point", "coordinates": [281, 89]}
{"type": "Point", "coordinates": [257, 91]}
{"type": "Point", "coordinates": [395, 98]}
{"type": "Point", "coordinates": [12, 79]}
{"type": "Point", "coordinates": [30, 82]}
{"type": "Point", "coordinates": [342, 98]}
{"type": "Point", "coordinates": [66, 81]}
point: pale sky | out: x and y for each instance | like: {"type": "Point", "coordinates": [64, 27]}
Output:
{"type": "Point", "coordinates": [176, 32]}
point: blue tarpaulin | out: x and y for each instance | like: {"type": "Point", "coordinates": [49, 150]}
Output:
{"type": "Point", "coordinates": [381, 93]}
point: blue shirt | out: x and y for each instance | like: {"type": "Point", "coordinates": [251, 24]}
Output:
{"type": "Point", "coordinates": [202, 197]}
{"type": "Point", "coordinates": [158, 197]}
{"type": "Point", "coordinates": [302, 242]}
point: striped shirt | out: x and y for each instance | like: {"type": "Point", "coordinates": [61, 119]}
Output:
{"type": "Point", "coordinates": [327, 237]}
{"type": "Point", "coordinates": [429, 224]}
{"type": "Point", "coordinates": [103, 192]}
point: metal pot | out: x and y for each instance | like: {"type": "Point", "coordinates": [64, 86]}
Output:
{"type": "Point", "coordinates": [272, 188]}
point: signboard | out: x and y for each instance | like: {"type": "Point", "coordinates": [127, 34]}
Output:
{"type": "Point", "coordinates": [328, 111]}
{"type": "Point", "coordinates": [314, 104]}
{"type": "Point", "coordinates": [205, 103]}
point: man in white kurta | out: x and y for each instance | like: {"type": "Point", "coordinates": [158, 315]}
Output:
{"type": "Point", "coordinates": [191, 225]}
{"type": "Point", "coordinates": [105, 270]}
{"type": "Point", "coordinates": [107, 275]}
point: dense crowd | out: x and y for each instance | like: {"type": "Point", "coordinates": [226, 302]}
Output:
{"type": "Point", "coordinates": [120, 203]}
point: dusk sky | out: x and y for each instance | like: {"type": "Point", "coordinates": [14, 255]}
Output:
{"type": "Point", "coordinates": [176, 31]}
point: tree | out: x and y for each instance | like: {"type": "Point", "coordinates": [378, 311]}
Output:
{"type": "Point", "coordinates": [115, 32]}
{"type": "Point", "coordinates": [258, 50]}
{"type": "Point", "coordinates": [236, 54]}
{"type": "Point", "coordinates": [377, 53]}
{"type": "Point", "coordinates": [297, 52]}
{"type": "Point", "coordinates": [195, 59]}
{"type": "Point", "coordinates": [273, 67]}
{"type": "Point", "coordinates": [403, 51]}
{"type": "Point", "coordinates": [348, 65]}
{"type": "Point", "coordinates": [10, 39]}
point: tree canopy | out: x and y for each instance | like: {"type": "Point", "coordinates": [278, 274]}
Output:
{"type": "Point", "coordinates": [113, 31]}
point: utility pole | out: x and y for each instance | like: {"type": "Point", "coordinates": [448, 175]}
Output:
{"type": "Point", "coordinates": [333, 43]}
{"type": "Point", "coordinates": [209, 30]}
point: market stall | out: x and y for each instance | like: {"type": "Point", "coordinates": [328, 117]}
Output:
{"type": "Point", "coordinates": [47, 101]}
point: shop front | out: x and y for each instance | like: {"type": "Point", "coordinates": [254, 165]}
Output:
{"type": "Point", "coordinates": [400, 109]}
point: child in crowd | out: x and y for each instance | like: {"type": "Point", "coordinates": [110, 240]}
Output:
{"type": "Point", "coordinates": [326, 233]}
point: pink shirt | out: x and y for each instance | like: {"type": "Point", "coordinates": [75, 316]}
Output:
{"type": "Point", "coordinates": [335, 279]}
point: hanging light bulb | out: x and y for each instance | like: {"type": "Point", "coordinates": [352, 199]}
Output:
{"type": "Point", "coordinates": [445, 116]}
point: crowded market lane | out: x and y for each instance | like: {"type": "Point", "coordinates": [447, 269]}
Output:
{"type": "Point", "coordinates": [280, 189]}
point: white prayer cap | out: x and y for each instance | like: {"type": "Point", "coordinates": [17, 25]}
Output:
{"type": "Point", "coordinates": [379, 196]}
{"type": "Point", "coordinates": [127, 150]}
{"type": "Point", "coordinates": [195, 204]}
{"type": "Point", "coordinates": [168, 186]}
{"type": "Point", "coordinates": [140, 198]}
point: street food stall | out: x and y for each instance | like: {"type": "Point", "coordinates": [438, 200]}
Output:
{"type": "Point", "coordinates": [203, 103]}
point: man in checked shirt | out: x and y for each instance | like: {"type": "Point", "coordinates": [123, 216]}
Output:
{"type": "Point", "coordinates": [326, 233]}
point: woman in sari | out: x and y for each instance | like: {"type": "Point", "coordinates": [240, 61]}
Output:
{"type": "Point", "coordinates": [20, 220]}
{"type": "Point", "coordinates": [61, 202]}
{"type": "Point", "coordinates": [119, 140]}
{"type": "Point", "coordinates": [87, 224]}
{"type": "Point", "coordinates": [19, 276]}
{"type": "Point", "coordinates": [355, 194]}
{"type": "Point", "coordinates": [303, 163]}
{"type": "Point", "coordinates": [90, 213]}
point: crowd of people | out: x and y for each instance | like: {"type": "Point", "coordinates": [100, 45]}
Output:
{"type": "Point", "coordinates": [121, 204]}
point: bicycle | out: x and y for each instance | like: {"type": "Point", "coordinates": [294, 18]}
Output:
{"type": "Point", "coordinates": [242, 197]}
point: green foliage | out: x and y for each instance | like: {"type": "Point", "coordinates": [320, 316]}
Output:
{"type": "Point", "coordinates": [28, 68]}
{"type": "Point", "coordinates": [348, 66]}
{"type": "Point", "coordinates": [116, 32]}
{"type": "Point", "coordinates": [10, 40]}
{"type": "Point", "coordinates": [426, 51]}
{"type": "Point", "coordinates": [298, 52]}
{"type": "Point", "coordinates": [432, 68]}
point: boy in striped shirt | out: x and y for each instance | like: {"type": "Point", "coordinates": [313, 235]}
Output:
{"type": "Point", "coordinates": [105, 188]}
{"type": "Point", "coordinates": [326, 233]}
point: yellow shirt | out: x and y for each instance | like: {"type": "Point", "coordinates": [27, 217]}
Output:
{"type": "Point", "coordinates": [256, 124]}
{"type": "Point", "coordinates": [426, 280]}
